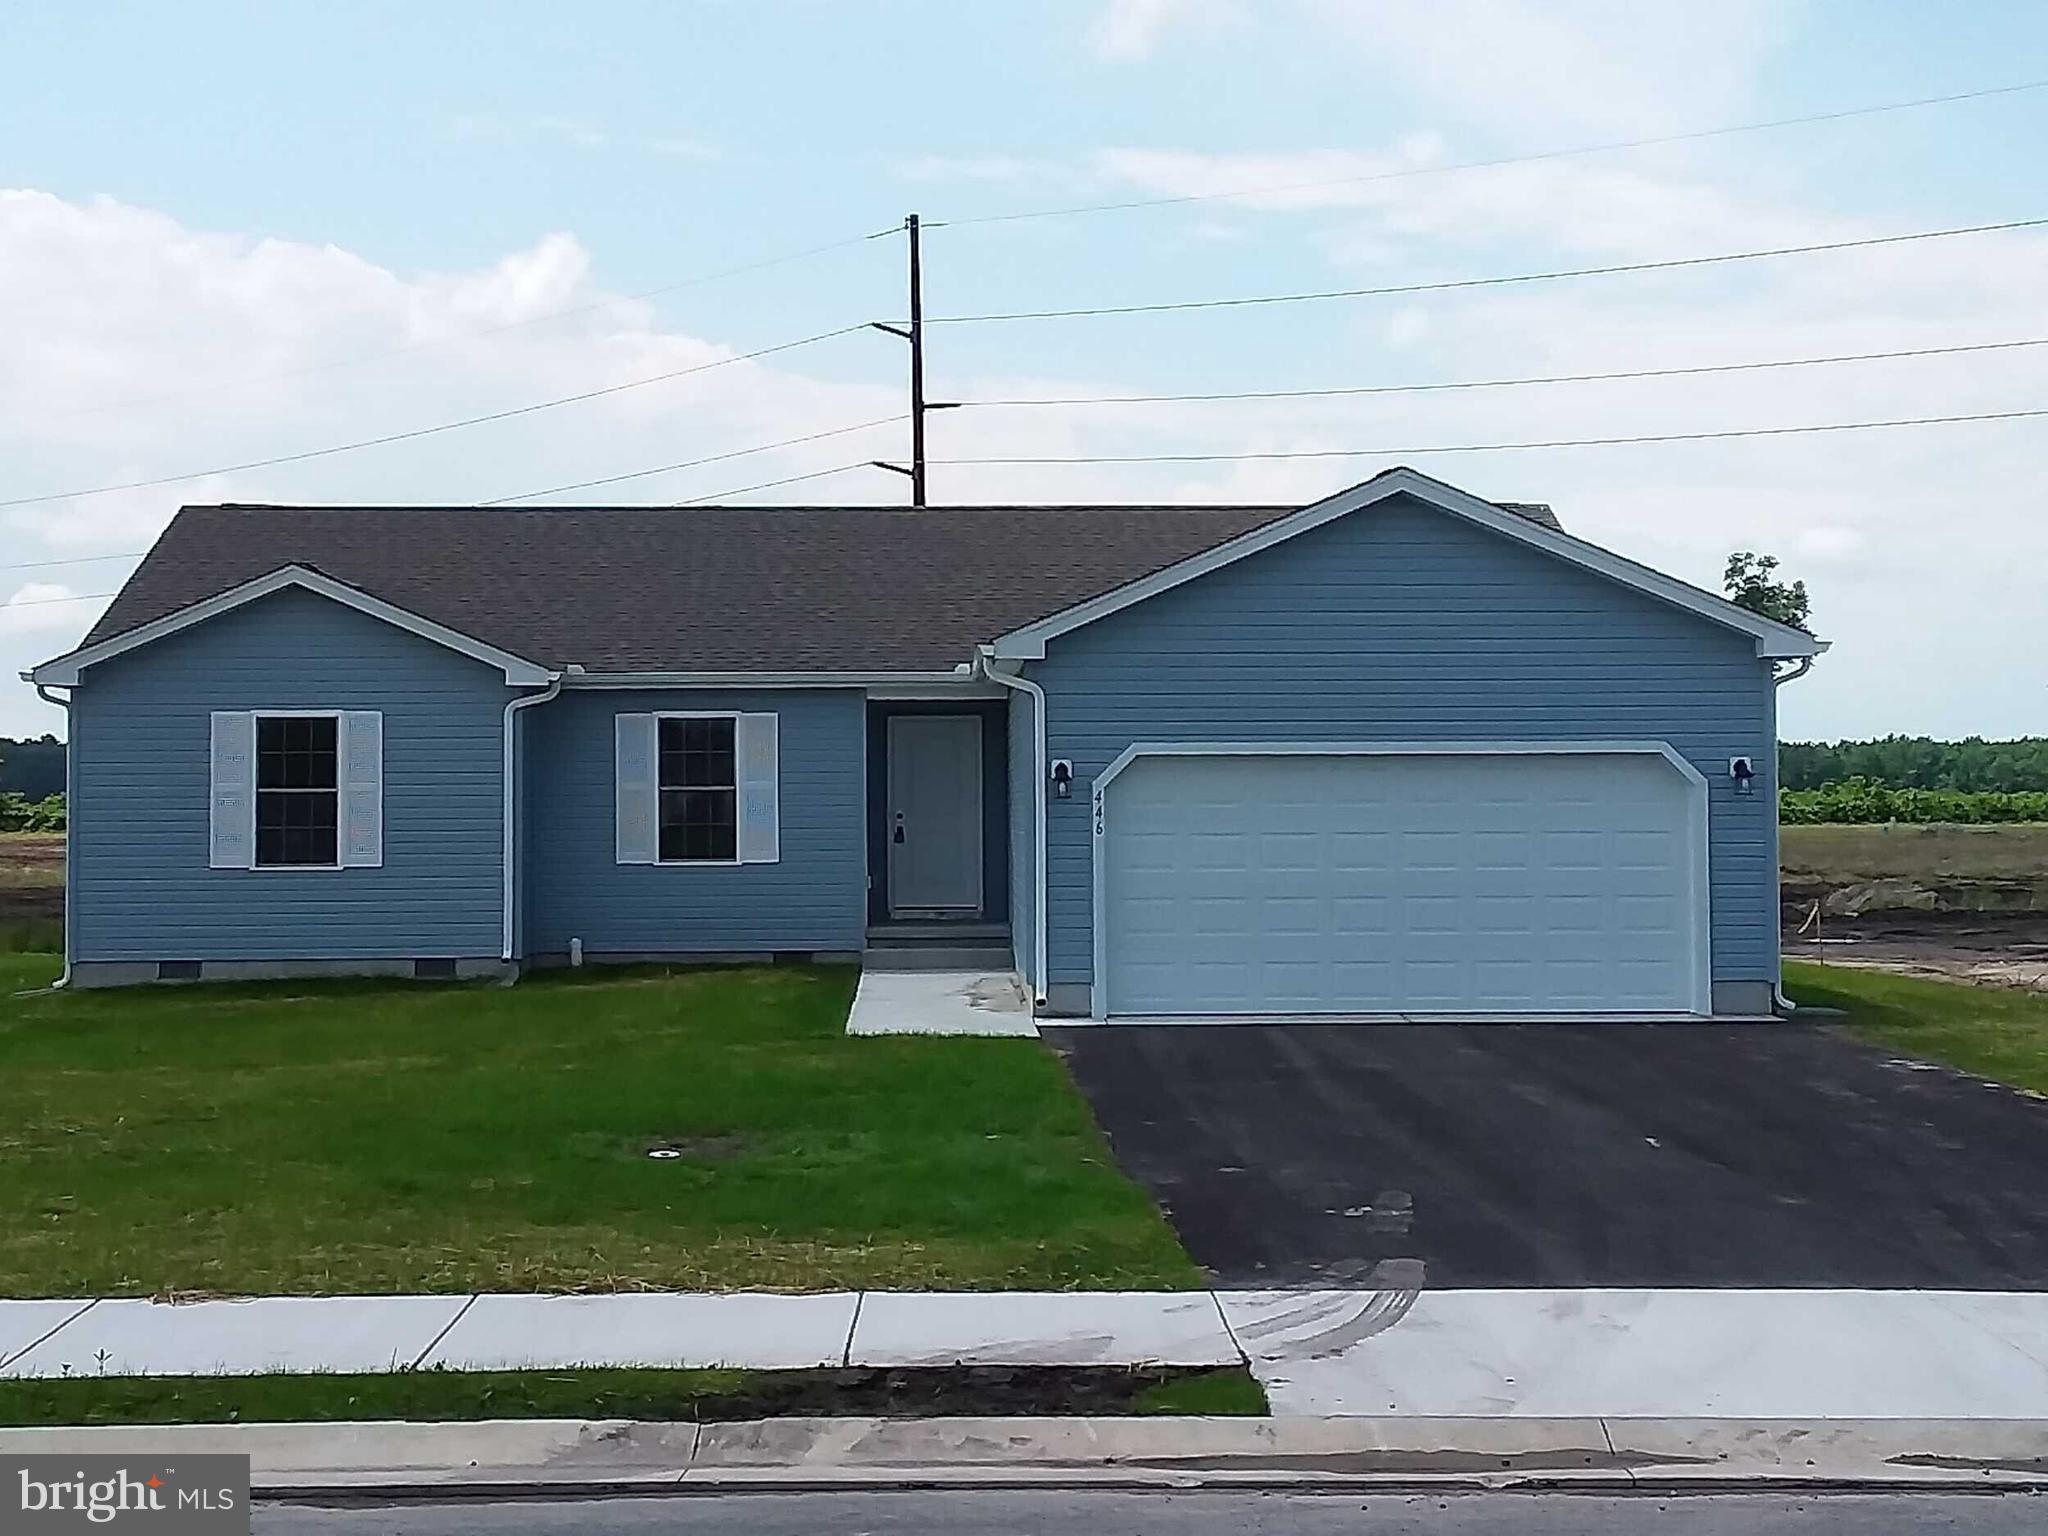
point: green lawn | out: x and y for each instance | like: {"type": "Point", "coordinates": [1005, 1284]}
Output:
{"type": "Point", "coordinates": [1995, 1032]}
{"type": "Point", "coordinates": [656, 1396]}
{"type": "Point", "coordinates": [375, 1137]}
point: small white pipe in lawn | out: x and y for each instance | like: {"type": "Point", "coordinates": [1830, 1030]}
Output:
{"type": "Point", "coordinates": [1784, 1003]}
{"type": "Point", "coordinates": [1037, 696]}
{"type": "Point", "coordinates": [70, 808]}
{"type": "Point", "coordinates": [508, 769]}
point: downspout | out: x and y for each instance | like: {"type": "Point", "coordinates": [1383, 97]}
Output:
{"type": "Point", "coordinates": [509, 815]}
{"type": "Point", "coordinates": [70, 810]}
{"type": "Point", "coordinates": [984, 660]}
{"type": "Point", "coordinates": [1784, 1004]}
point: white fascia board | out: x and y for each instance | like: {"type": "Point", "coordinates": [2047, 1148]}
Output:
{"type": "Point", "coordinates": [962, 681]}
{"type": "Point", "coordinates": [64, 671]}
{"type": "Point", "coordinates": [1772, 638]}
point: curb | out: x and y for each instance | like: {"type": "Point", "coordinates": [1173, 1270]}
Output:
{"type": "Point", "coordinates": [577, 1458]}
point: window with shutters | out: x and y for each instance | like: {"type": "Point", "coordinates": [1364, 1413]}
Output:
{"type": "Point", "coordinates": [298, 791]}
{"type": "Point", "coordinates": [699, 790]}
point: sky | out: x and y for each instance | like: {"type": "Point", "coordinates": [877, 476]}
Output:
{"type": "Point", "coordinates": [231, 233]}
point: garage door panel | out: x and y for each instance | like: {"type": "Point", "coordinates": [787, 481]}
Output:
{"type": "Point", "coordinates": [1244, 883]}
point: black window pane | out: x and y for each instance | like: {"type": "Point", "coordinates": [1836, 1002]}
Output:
{"type": "Point", "coordinates": [697, 754]}
{"type": "Point", "coordinates": [295, 752]}
{"type": "Point", "coordinates": [698, 824]}
{"type": "Point", "coordinates": [296, 827]}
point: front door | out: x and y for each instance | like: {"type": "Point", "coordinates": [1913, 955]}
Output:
{"type": "Point", "coordinates": [934, 815]}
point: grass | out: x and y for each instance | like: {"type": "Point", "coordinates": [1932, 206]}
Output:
{"type": "Point", "coordinates": [415, 1396]}
{"type": "Point", "coordinates": [1232, 1393]}
{"type": "Point", "coordinates": [654, 1396]}
{"type": "Point", "coordinates": [1845, 855]}
{"type": "Point", "coordinates": [367, 1137]}
{"type": "Point", "coordinates": [1993, 1032]}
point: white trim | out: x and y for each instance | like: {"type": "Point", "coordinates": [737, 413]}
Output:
{"type": "Point", "coordinates": [71, 823]}
{"type": "Point", "coordinates": [947, 683]}
{"type": "Point", "coordinates": [64, 670]}
{"type": "Point", "coordinates": [509, 772]}
{"type": "Point", "coordinates": [698, 714]}
{"type": "Point", "coordinates": [256, 790]}
{"type": "Point", "coordinates": [1015, 679]}
{"type": "Point", "coordinates": [1700, 890]}
{"type": "Point", "coordinates": [1772, 638]}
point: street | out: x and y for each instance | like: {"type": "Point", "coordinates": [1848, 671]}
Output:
{"type": "Point", "coordinates": [1193, 1514]}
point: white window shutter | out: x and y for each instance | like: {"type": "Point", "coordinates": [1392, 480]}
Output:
{"type": "Point", "coordinates": [760, 792]}
{"type": "Point", "coordinates": [638, 786]}
{"type": "Point", "coordinates": [233, 780]}
{"type": "Point", "coordinates": [360, 764]}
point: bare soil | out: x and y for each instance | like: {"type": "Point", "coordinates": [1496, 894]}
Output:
{"type": "Point", "coordinates": [31, 879]}
{"type": "Point", "coordinates": [2004, 949]}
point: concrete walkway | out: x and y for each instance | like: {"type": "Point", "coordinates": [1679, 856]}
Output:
{"type": "Point", "coordinates": [1390, 1352]}
{"type": "Point", "coordinates": [940, 1003]}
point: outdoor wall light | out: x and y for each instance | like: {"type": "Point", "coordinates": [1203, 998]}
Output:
{"type": "Point", "coordinates": [1062, 777]}
{"type": "Point", "coordinates": [1743, 772]}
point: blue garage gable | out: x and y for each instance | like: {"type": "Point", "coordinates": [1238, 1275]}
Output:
{"type": "Point", "coordinates": [1401, 622]}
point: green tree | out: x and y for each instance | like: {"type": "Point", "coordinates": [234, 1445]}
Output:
{"type": "Point", "coordinates": [1751, 582]}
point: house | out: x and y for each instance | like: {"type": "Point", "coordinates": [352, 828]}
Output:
{"type": "Point", "coordinates": [1401, 751]}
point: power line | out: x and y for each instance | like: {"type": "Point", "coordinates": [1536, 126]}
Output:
{"type": "Point", "coordinates": [446, 426]}
{"type": "Point", "coordinates": [663, 469]}
{"type": "Point", "coordinates": [493, 330]}
{"type": "Point", "coordinates": [1580, 442]}
{"type": "Point", "coordinates": [37, 602]}
{"type": "Point", "coordinates": [762, 485]}
{"type": "Point", "coordinates": [1480, 165]}
{"type": "Point", "coordinates": [1490, 282]}
{"type": "Point", "coordinates": [37, 565]}
{"type": "Point", "coordinates": [1552, 378]}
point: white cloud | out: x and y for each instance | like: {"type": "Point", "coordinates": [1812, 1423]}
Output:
{"type": "Point", "coordinates": [550, 128]}
{"type": "Point", "coordinates": [1607, 67]}
{"type": "Point", "coordinates": [1132, 29]}
{"type": "Point", "coordinates": [36, 607]}
{"type": "Point", "coordinates": [139, 347]}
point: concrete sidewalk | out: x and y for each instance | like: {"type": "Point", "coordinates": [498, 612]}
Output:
{"type": "Point", "coordinates": [1531, 1354]}
{"type": "Point", "coordinates": [514, 1458]}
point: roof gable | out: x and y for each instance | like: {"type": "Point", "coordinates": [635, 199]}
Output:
{"type": "Point", "coordinates": [1773, 639]}
{"type": "Point", "coordinates": [64, 671]}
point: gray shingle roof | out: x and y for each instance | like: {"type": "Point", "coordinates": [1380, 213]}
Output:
{"type": "Point", "coordinates": [702, 589]}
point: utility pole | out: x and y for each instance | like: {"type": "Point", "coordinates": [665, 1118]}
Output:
{"type": "Point", "coordinates": [915, 336]}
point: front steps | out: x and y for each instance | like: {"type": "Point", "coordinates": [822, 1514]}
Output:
{"type": "Point", "coordinates": [938, 947]}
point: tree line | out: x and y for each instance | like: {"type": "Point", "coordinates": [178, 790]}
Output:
{"type": "Point", "coordinates": [1972, 765]}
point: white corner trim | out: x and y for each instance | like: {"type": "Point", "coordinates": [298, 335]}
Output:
{"type": "Point", "coordinates": [1699, 888]}
{"type": "Point", "coordinates": [64, 671]}
{"type": "Point", "coordinates": [1772, 638]}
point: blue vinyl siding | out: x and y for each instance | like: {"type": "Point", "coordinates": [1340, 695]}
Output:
{"type": "Point", "coordinates": [1023, 832]}
{"type": "Point", "coordinates": [139, 833]}
{"type": "Point", "coordinates": [1404, 623]}
{"type": "Point", "coordinates": [815, 898]}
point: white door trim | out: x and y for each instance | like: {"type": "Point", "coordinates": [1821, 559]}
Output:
{"type": "Point", "coordinates": [1701, 902]}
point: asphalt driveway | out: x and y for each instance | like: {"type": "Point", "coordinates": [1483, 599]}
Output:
{"type": "Point", "coordinates": [1572, 1155]}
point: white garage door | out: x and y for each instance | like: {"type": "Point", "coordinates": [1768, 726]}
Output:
{"type": "Point", "coordinates": [1440, 883]}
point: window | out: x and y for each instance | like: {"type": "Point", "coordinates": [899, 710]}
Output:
{"type": "Point", "coordinates": [699, 800]}
{"type": "Point", "coordinates": [297, 790]}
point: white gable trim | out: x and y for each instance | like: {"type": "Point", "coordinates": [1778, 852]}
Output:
{"type": "Point", "coordinates": [1772, 638]}
{"type": "Point", "coordinates": [64, 671]}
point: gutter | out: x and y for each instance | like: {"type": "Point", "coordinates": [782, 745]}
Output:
{"type": "Point", "coordinates": [509, 815]}
{"type": "Point", "coordinates": [1784, 1005]}
{"type": "Point", "coordinates": [984, 667]}
{"type": "Point", "coordinates": [70, 810]}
